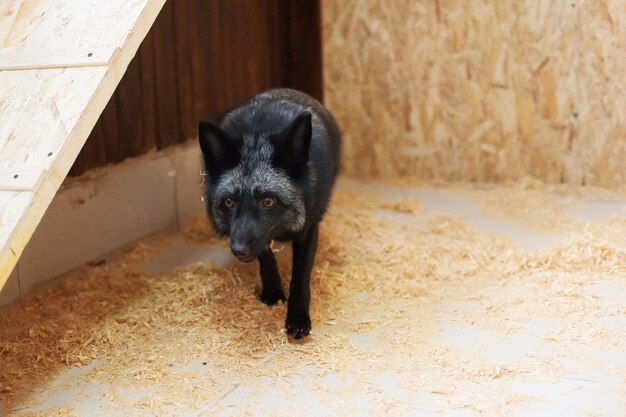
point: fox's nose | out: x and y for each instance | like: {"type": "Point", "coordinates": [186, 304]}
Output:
{"type": "Point", "coordinates": [240, 250]}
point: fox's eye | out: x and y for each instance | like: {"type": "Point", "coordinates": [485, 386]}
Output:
{"type": "Point", "coordinates": [229, 202]}
{"type": "Point", "coordinates": [269, 202]}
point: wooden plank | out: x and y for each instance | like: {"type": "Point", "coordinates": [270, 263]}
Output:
{"type": "Point", "coordinates": [305, 34]}
{"type": "Point", "coordinates": [67, 24]}
{"type": "Point", "coordinates": [205, 63]}
{"type": "Point", "coordinates": [111, 131]}
{"type": "Point", "coordinates": [38, 107]}
{"type": "Point", "coordinates": [48, 114]}
{"type": "Point", "coordinates": [20, 178]}
{"type": "Point", "coordinates": [148, 91]}
{"type": "Point", "coordinates": [297, 36]}
{"type": "Point", "coordinates": [186, 114]}
{"type": "Point", "coordinates": [261, 61]}
{"type": "Point", "coordinates": [251, 31]}
{"type": "Point", "coordinates": [168, 132]}
{"type": "Point", "coordinates": [12, 206]}
{"type": "Point", "coordinates": [233, 17]}
{"type": "Point", "coordinates": [13, 15]}
{"type": "Point", "coordinates": [276, 39]}
{"type": "Point", "coordinates": [282, 40]}
{"type": "Point", "coordinates": [93, 153]}
{"type": "Point", "coordinates": [198, 62]}
{"type": "Point", "coordinates": [129, 113]}
{"type": "Point", "coordinates": [253, 28]}
{"type": "Point", "coordinates": [11, 60]}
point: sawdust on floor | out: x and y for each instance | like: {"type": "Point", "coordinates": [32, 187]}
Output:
{"type": "Point", "coordinates": [372, 276]}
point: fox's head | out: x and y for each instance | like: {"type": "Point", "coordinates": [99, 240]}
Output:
{"type": "Point", "coordinates": [254, 187]}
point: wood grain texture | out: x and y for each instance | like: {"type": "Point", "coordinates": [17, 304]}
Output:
{"type": "Point", "coordinates": [304, 47]}
{"type": "Point", "coordinates": [12, 206]}
{"type": "Point", "coordinates": [11, 60]}
{"type": "Point", "coordinates": [479, 90]}
{"type": "Point", "coordinates": [167, 126]}
{"type": "Point", "coordinates": [20, 178]}
{"type": "Point", "coordinates": [146, 57]}
{"type": "Point", "coordinates": [185, 91]}
{"type": "Point", "coordinates": [202, 57]}
{"type": "Point", "coordinates": [129, 113]}
{"type": "Point", "coordinates": [46, 115]}
{"type": "Point", "coordinates": [110, 132]}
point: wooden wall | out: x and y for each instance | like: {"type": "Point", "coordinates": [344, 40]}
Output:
{"type": "Point", "coordinates": [479, 90]}
{"type": "Point", "coordinates": [200, 58]}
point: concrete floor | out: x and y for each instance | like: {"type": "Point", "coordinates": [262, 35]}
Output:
{"type": "Point", "coordinates": [587, 392]}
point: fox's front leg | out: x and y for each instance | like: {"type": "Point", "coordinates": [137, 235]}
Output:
{"type": "Point", "coordinates": [272, 291]}
{"type": "Point", "coordinates": [298, 322]}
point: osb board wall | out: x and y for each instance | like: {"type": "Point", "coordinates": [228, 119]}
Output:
{"type": "Point", "coordinates": [479, 90]}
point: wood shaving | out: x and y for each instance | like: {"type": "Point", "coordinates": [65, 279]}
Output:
{"type": "Point", "coordinates": [55, 412]}
{"type": "Point", "coordinates": [198, 229]}
{"type": "Point", "coordinates": [374, 278]}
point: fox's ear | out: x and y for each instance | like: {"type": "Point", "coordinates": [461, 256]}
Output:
{"type": "Point", "coordinates": [291, 146]}
{"type": "Point", "coordinates": [219, 149]}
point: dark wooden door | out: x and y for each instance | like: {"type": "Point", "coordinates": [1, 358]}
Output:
{"type": "Point", "coordinates": [200, 58]}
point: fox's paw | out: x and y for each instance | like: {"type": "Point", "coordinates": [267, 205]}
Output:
{"type": "Point", "coordinates": [272, 297]}
{"type": "Point", "coordinates": [298, 326]}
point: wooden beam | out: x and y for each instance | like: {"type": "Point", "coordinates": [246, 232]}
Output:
{"type": "Point", "coordinates": [11, 60]}
{"type": "Point", "coordinates": [20, 179]}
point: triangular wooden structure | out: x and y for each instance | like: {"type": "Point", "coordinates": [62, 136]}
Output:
{"type": "Point", "coordinates": [60, 61]}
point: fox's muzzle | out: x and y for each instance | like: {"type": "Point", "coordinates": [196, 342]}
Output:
{"type": "Point", "coordinates": [245, 243]}
{"type": "Point", "coordinates": [241, 250]}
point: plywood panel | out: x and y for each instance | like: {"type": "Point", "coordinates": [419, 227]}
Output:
{"type": "Point", "coordinates": [39, 109]}
{"type": "Point", "coordinates": [37, 24]}
{"type": "Point", "coordinates": [55, 58]}
{"type": "Point", "coordinates": [479, 90]}
{"type": "Point", "coordinates": [46, 115]}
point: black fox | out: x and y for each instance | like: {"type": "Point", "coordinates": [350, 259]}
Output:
{"type": "Point", "coordinates": [271, 165]}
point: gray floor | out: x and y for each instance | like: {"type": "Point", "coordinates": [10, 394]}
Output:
{"type": "Point", "coordinates": [588, 392]}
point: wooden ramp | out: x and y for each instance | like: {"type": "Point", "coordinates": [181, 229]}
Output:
{"type": "Point", "coordinates": [60, 61]}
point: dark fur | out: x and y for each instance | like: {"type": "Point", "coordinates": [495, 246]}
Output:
{"type": "Point", "coordinates": [282, 146]}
